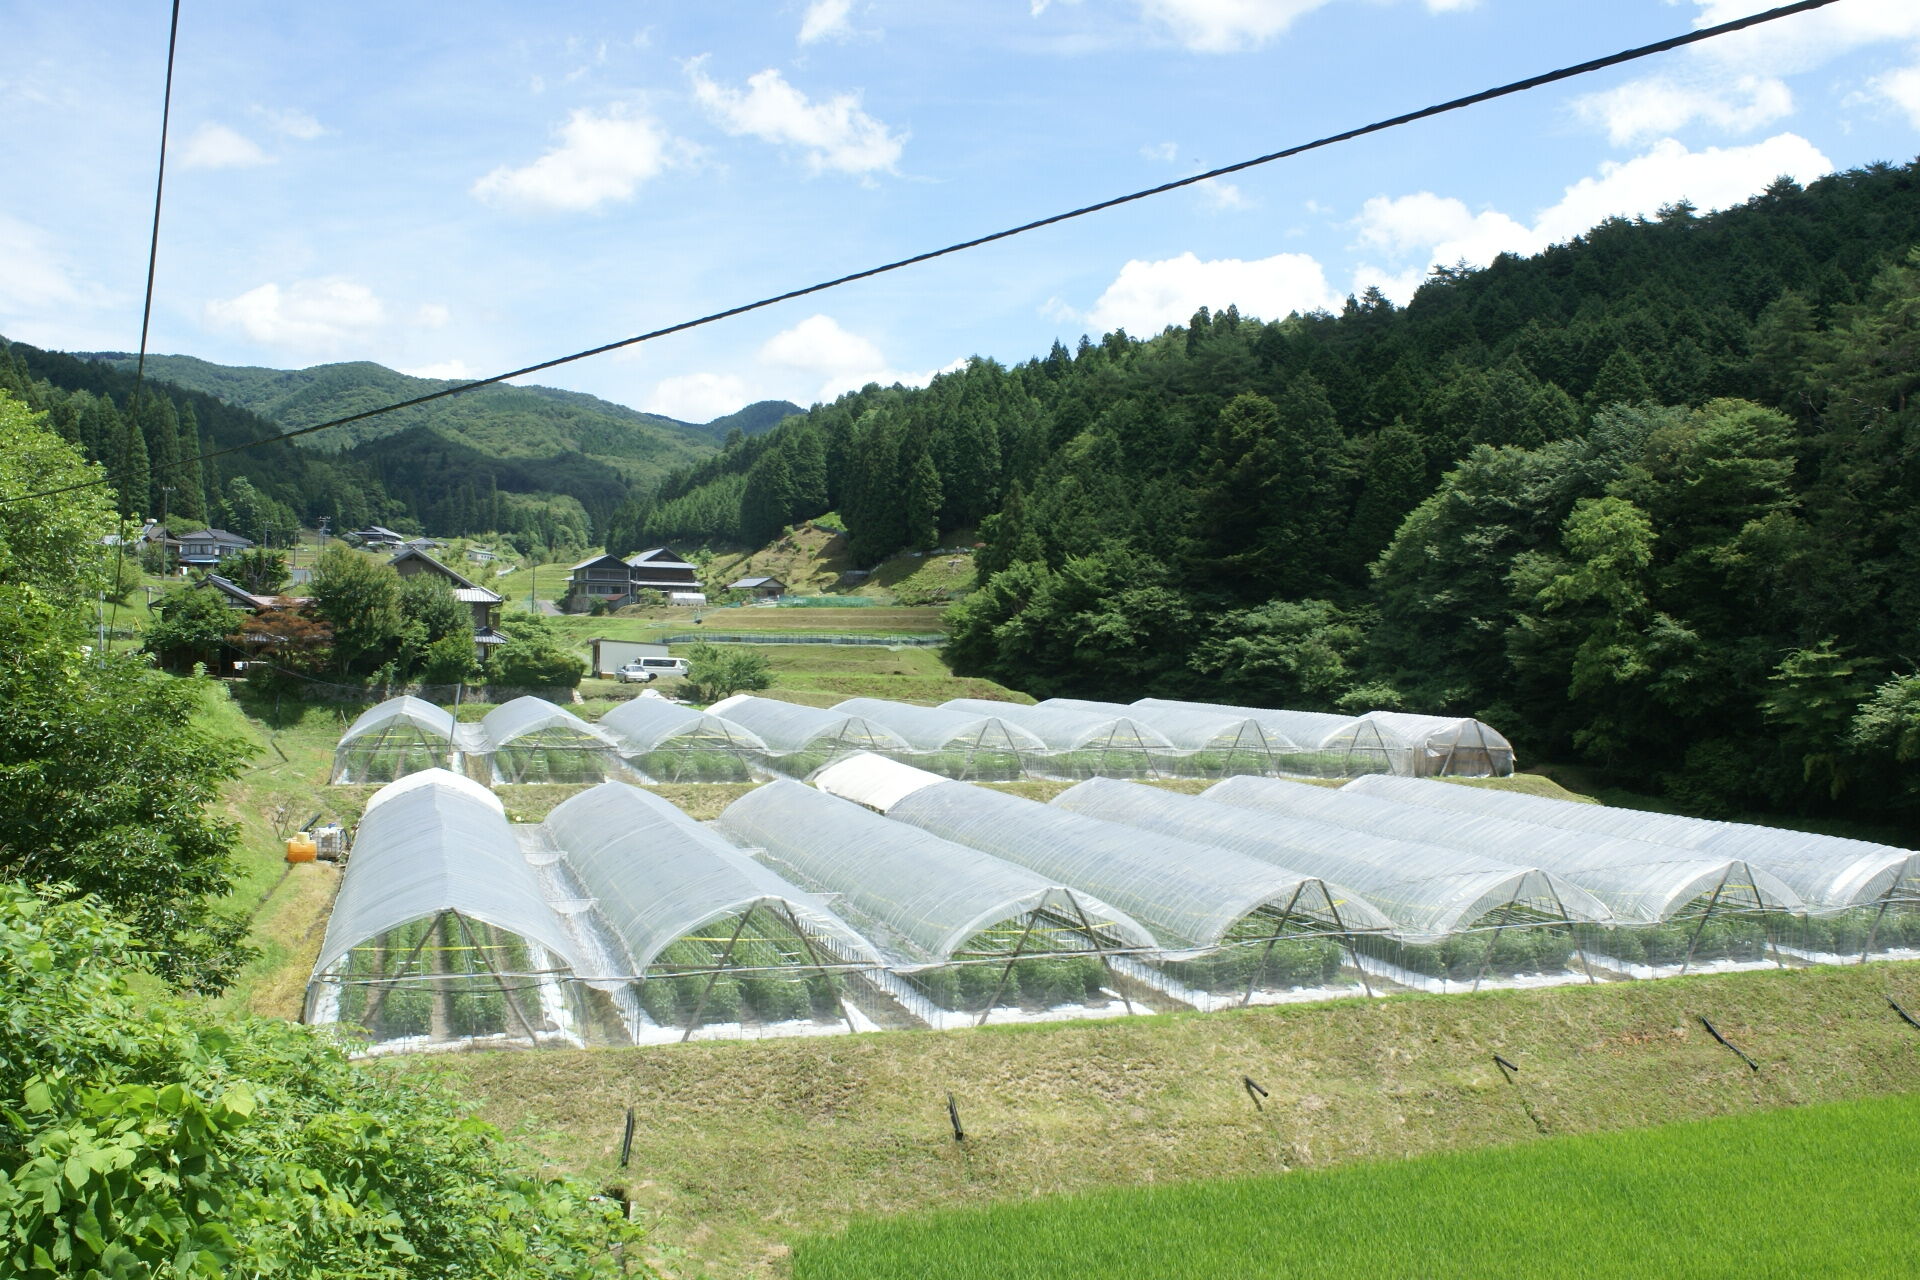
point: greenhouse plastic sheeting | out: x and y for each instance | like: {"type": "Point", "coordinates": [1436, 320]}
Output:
{"type": "Point", "coordinates": [1828, 872]}
{"type": "Point", "coordinates": [434, 778]}
{"type": "Point", "coordinates": [424, 716]}
{"type": "Point", "coordinates": [658, 875]}
{"type": "Point", "coordinates": [1191, 729]}
{"type": "Point", "coordinates": [1426, 745]}
{"type": "Point", "coordinates": [924, 896]}
{"type": "Point", "coordinates": [1191, 895]}
{"type": "Point", "coordinates": [1307, 729]}
{"type": "Point", "coordinates": [645, 724]}
{"type": "Point", "coordinates": [1419, 891]}
{"type": "Point", "coordinates": [1065, 729]}
{"type": "Point", "coordinates": [874, 781]}
{"type": "Point", "coordinates": [927, 729]}
{"type": "Point", "coordinates": [1641, 883]}
{"type": "Point", "coordinates": [523, 716]}
{"type": "Point", "coordinates": [788, 727]}
{"type": "Point", "coordinates": [430, 847]}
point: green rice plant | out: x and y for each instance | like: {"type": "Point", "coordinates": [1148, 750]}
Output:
{"type": "Point", "coordinates": [1691, 1201]}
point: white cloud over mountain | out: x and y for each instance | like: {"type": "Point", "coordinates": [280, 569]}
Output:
{"type": "Point", "coordinates": [601, 158]}
{"type": "Point", "coordinates": [833, 133]}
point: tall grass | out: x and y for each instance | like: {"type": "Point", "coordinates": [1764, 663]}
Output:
{"type": "Point", "coordinates": [1819, 1191]}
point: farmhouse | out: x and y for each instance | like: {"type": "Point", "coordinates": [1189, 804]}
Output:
{"type": "Point", "coordinates": [206, 547]}
{"type": "Point", "coordinates": [760, 588]}
{"type": "Point", "coordinates": [614, 580]}
{"type": "Point", "coordinates": [484, 603]}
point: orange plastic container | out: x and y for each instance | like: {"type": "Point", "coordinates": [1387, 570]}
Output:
{"type": "Point", "coordinates": [301, 848]}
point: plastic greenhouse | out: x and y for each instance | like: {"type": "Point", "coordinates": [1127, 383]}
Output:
{"type": "Point", "coordinates": [1207, 907]}
{"type": "Point", "coordinates": [804, 738]}
{"type": "Point", "coordinates": [1676, 907]}
{"type": "Point", "coordinates": [958, 744]}
{"type": "Point", "coordinates": [531, 740]}
{"type": "Point", "coordinates": [440, 930]}
{"type": "Point", "coordinates": [1211, 744]}
{"type": "Point", "coordinates": [1336, 746]}
{"type": "Point", "coordinates": [1081, 744]}
{"type": "Point", "coordinates": [1863, 894]}
{"type": "Point", "coordinates": [712, 936]}
{"type": "Point", "coordinates": [668, 742]}
{"type": "Point", "coordinates": [962, 932]}
{"type": "Point", "coordinates": [1455, 917]}
{"type": "Point", "coordinates": [391, 740]}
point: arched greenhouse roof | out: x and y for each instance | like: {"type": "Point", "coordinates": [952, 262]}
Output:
{"type": "Point", "coordinates": [658, 875]}
{"type": "Point", "coordinates": [940, 729]}
{"type": "Point", "coordinates": [645, 724]}
{"type": "Point", "coordinates": [788, 727]}
{"type": "Point", "coordinates": [872, 780]}
{"type": "Point", "coordinates": [1429, 744]}
{"type": "Point", "coordinates": [433, 778]}
{"type": "Point", "coordinates": [1828, 872]}
{"type": "Point", "coordinates": [1068, 729]}
{"type": "Point", "coordinates": [1191, 729]}
{"type": "Point", "coordinates": [431, 846]}
{"type": "Point", "coordinates": [422, 715]}
{"type": "Point", "coordinates": [1418, 891]}
{"type": "Point", "coordinates": [1190, 895]}
{"type": "Point", "coordinates": [923, 895]}
{"type": "Point", "coordinates": [1641, 883]}
{"type": "Point", "coordinates": [1307, 729]}
{"type": "Point", "coordinates": [529, 714]}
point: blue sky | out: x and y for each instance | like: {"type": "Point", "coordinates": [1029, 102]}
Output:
{"type": "Point", "coordinates": [457, 189]}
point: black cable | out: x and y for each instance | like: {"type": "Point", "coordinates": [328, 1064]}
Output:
{"type": "Point", "coordinates": [1379, 126]}
{"type": "Point", "coordinates": [146, 307]}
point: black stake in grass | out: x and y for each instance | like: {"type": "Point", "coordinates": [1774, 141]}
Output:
{"type": "Point", "coordinates": [626, 1140]}
{"type": "Point", "coordinates": [1254, 1091]}
{"type": "Point", "coordinates": [1715, 1033]}
{"type": "Point", "coordinates": [1507, 1069]}
{"type": "Point", "coordinates": [1904, 1015]}
{"type": "Point", "coordinates": [953, 1115]}
{"type": "Point", "coordinates": [1510, 1072]}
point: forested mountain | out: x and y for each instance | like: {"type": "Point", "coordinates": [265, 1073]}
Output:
{"type": "Point", "coordinates": [1651, 497]}
{"type": "Point", "coordinates": [543, 466]}
{"type": "Point", "coordinates": [756, 419]}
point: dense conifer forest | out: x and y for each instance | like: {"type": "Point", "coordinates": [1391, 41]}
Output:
{"type": "Point", "coordinates": [1649, 498]}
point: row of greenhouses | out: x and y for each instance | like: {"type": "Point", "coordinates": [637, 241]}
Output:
{"type": "Point", "coordinates": [652, 739]}
{"type": "Point", "coordinates": [885, 896]}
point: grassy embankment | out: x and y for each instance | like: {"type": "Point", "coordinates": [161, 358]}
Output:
{"type": "Point", "coordinates": [1813, 1191]}
{"type": "Point", "coordinates": [743, 1147]}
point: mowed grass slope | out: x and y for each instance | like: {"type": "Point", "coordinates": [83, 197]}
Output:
{"type": "Point", "coordinates": [1816, 1191]}
{"type": "Point", "coordinates": [742, 1147]}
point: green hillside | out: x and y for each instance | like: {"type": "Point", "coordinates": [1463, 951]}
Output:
{"type": "Point", "coordinates": [501, 422]}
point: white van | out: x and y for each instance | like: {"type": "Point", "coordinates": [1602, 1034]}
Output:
{"type": "Point", "coordinates": [644, 670]}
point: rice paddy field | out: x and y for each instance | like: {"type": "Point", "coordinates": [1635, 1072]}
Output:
{"type": "Point", "coordinates": [1815, 1191]}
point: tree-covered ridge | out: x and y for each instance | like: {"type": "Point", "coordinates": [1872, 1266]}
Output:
{"type": "Point", "coordinates": [1647, 496]}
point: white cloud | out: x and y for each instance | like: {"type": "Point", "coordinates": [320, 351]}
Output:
{"type": "Point", "coordinates": [834, 133]}
{"type": "Point", "coordinates": [699, 397]}
{"type": "Point", "coordinates": [35, 275]}
{"type": "Point", "coordinates": [1222, 26]}
{"type": "Point", "coordinates": [1166, 152]}
{"type": "Point", "coordinates": [1444, 231]}
{"type": "Point", "coordinates": [1451, 6]}
{"type": "Point", "coordinates": [1147, 296]}
{"type": "Point", "coordinates": [1662, 106]}
{"type": "Point", "coordinates": [600, 159]}
{"type": "Point", "coordinates": [454, 370]}
{"type": "Point", "coordinates": [1902, 89]}
{"type": "Point", "coordinates": [319, 316]}
{"type": "Point", "coordinates": [846, 361]}
{"type": "Point", "coordinates": [215, 146]}
{"type": "Point", "coordinates": [294, 124]}
{"type": "Point", "coordinates": [827, 20]}
{"type": "Point", "coordinates": [1224, 195]}
{"type": "Point", "coordinates": [432, 315]}
{"type": "Point", "coordinates": [1807, 40]}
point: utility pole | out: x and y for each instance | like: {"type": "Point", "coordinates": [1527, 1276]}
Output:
{"type": "Point", "coordinates": [531, 606]}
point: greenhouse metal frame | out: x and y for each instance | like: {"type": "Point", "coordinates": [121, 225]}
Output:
{"type": "Point", "coordinates": [669, 742]}
{"type": "Point", "coordinates": [1210, 744]}
{"type": "Point", "coordinates": [803, 738]}
{"type": "Point", "coordinates": [1644, 885]}
{"type": "Point", "coordinates": [1081, 744]}
{"type": "Point", "coordinates": [1831, 874]}
{"type": "Point", "coordinates": [658, 879]}
{"type": "Point", "coordinates": [946, 917]}
{"type": "Point", "coordinates": [393, 739]}
{"type": "Point", "coordinates": [1430, 897]}
{"type": "Point", "coordinates": [435, 890]}
{"type": "Point", "coordinates": [1337, 746]}
{"type": "Point", "coordinates": [956, 744]}
{"type": "Point", "coordinates": [532, 740]}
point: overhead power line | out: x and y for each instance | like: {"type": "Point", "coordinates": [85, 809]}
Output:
{"type": "Point", "coordinates": [1378, 126]}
